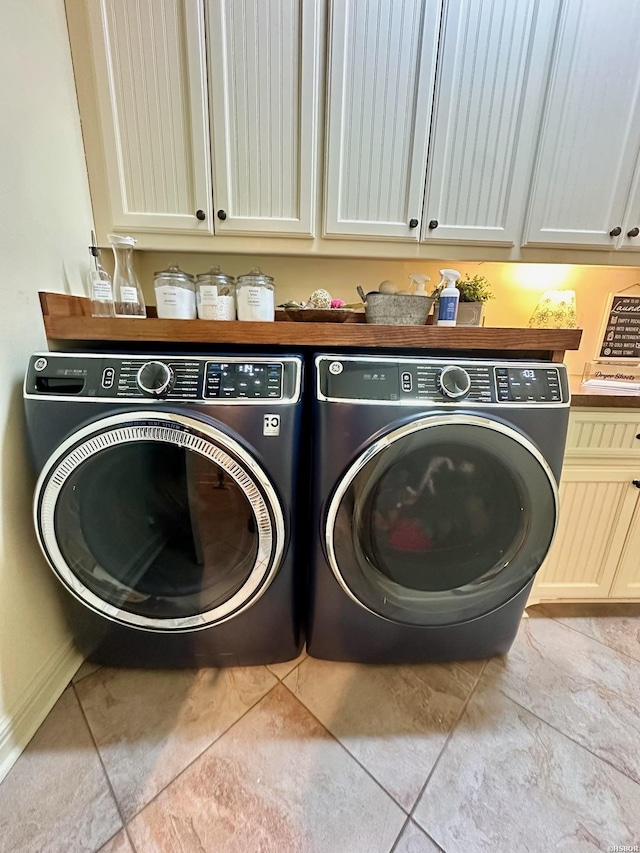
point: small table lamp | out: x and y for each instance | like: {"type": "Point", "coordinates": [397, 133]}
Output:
{"type": "Point", "coordinates": [556, 309]}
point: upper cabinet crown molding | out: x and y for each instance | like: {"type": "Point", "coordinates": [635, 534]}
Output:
{"type": "Point", "coordinates": [590, 136]}
{"type": "Point", "coordinates": [264, 92]}
{"type": "Point", "coordinates": [382, 66]}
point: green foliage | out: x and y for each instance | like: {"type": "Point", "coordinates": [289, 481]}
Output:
{"type": "Point", "coordinates": [476, 289]}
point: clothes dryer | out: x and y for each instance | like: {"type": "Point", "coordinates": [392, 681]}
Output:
{"type": "Point", "coordinates": [166, 503]}
{"type": "Point", "coordinates": [435, 502]}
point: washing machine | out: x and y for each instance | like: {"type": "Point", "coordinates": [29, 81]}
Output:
{"type": "Point", "coordinates": [435, 502]}
{"type": "Point", "coordinates": [165, 503]}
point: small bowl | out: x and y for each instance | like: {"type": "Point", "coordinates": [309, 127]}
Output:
{"type": "Point", "coordinates": [318, 315]}
{"type": "Point", "coordinates": [397, 310]}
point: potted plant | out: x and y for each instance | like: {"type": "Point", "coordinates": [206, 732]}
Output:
{"type": "Point", "coordinates": [474, 292]}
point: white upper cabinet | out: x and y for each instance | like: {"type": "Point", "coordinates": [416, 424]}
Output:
{"type": "Point", "coordinates": [492, 72]}
{"type": "Point", "coordinates": [630, 237]}
{"type": "Point", "coordinates": [264, 87]}
{"type": "Point", "coordinates": [382, 61]}
{"type": "Point", "coordinates": [149, 67]}
{"type": "Point", "coordinates": [591, 127]}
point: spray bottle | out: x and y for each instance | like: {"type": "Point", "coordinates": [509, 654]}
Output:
{"type": "Point", "coordinates": [419, 281]}
{"type": "Point", "coordinates": [448, 299]}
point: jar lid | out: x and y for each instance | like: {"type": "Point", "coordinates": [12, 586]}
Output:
{"type": "Point", "coordinates": [255, 276]}
{"type": "Point", "coordinates": [174, 272]}
{"type": "Point", "coordinates": [121, 242]}
{"type": "Point", "coordinates": [215, 274]}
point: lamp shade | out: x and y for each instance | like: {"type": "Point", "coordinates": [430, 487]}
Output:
{"type": "Point", "coordinates": [556, 309]}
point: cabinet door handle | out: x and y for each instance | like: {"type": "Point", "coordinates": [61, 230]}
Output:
{"type": "Point", "coordinates": [636, 483]}
{"type": "Point", "coordinates": [615, 232]}
{"type": "Point", "coordinates": [201, 215]}
{"type": "Point", "coordinates": [222, 214]}
{"type": "Point", "coordinates": [433, 223]}
{"type": "Point", "coordinates": [634, 232]}
{"type": "Point", "coordinates": [413, 223]}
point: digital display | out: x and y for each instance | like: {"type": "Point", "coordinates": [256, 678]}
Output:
{"type": "Point", "coordinates": [235, 380]}
{"type": "Point", "coordinates": [356, 381]}
{"type": "Point", "coordinates": [528, 384]}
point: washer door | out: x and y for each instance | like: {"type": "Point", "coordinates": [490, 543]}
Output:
{"type": "Point", "coordinates": [441, 520]}
{"type": "Point", "coordinates": [159, 521]}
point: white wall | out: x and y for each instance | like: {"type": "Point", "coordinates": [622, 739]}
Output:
{"type": "Point", "coordinates": [45, 223]}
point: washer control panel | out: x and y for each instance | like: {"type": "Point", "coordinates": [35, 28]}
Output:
{"type": "Point", "coordinates": [440, 381]}
{"type": "Point", "coordinates": [171, 378]}
{"type": "Point", "coordinates": [249, 380]}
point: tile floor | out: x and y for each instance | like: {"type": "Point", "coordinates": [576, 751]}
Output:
{"type": "Point", "coordinates": [534, 752]}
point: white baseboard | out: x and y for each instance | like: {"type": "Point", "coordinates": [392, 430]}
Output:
{"type": "Point", "coordinates": [19, 724]}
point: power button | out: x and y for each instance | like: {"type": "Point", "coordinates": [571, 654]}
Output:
{"type": "Point", "coordinates": [407, 381]}
{"type": "Point", "coordinates": [108, 375]}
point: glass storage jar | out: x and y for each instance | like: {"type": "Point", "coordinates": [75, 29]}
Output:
{"type": "Point", "coordinates": [175, 294]}
{"type": "Point", "coordinates": [255, 295]}
{"type": "Point", "coordinates": [216, 295]}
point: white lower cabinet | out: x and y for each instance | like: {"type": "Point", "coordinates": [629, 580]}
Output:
{"type": "Point", "coordinates": [596, 552]}
{"type": "Point", "coordinates": [626, 583]}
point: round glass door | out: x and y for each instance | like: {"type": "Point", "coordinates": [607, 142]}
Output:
{"type": "Point", "coordinates": [159, 521]}
{"type": "Point", "coordinates": [441, 520]}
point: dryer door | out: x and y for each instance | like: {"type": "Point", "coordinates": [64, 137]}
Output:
{"type": "Point", "coordinates": [441, 520]}
{"type": "Point", "coordinates": [159, 521]}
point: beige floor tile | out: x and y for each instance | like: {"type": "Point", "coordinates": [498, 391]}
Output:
{"type": "Point", "coordinates": [584, 689]}
{"type": "Point", "coordinates": [393, 719]}
{"type": "Point", "coordinates": [507, 781]}
{"type": "Point", "coordinates": [615, 625]}
{"type": "Point", "coordinates": [150, 725]}
{"type": "Point", "coordinates": [86, 668]}
{"type": "Point", "coordinates": [280, 670]}
{"type": "Point", "coordinates": [475, 667]}
{"type": "Point", "coordinates": [413, 840]}
{"type": "Point", "coordinates": [118, 844]}
{"type": "Point", "coordinates": [56, 796]}
{"type": "Point", "coordinates": [274, 782]}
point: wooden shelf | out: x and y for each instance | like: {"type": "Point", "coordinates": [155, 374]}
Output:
{"type": "Point", "coordinates": [68, 318]}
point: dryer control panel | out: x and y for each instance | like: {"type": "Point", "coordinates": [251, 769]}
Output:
{"type": "Point", "coordinates": [142, 378]}
{"type": "Point", "coordinates": [417, 380]}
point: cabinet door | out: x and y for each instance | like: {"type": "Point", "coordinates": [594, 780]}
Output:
{"type": "Point", "coordinates": [591, 127]}
{"type": "Point", "coordinates": [382, 60]}
{"type": "Point", "coordinates": [629, 240]}
{"type": "Point", "coordinates": [151, 85]}
{"type": "Point", "coordinates": [493, 68]}
{"type": "Point", "coordinates": [596, 506]}
{"type": "Point", "coordinates": [627, 580]}
{"type": "Point", "coordinates": [264, 84]}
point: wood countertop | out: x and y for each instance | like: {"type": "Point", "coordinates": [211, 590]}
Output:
{"type": "Point", "coordinates": [600, 397]}
{"type": "Point", "coordinates": [68, 318]}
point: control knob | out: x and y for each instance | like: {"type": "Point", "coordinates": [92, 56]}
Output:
{"type": "Point", "coordinates": [155, 379]}
{"type": "Point", "coordinates": [454, 382]}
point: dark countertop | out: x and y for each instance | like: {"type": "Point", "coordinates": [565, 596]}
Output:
{"type": "Point", "coordinates": [601, 398]}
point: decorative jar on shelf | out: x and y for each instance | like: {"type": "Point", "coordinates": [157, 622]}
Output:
{"type": "Point", "coordinates": [216, 295]}
{"type": "Point", "coordinates": [255, 294]}
{"type": "Point", "coordinates": [175, 294]}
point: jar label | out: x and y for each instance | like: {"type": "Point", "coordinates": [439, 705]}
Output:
{"type": "Point", "coordinates": [207, 294]}
{"type": "Point", "coordinates": [175, 303]}
{"type": "Point", "coordinates": [255, 303]}
{"type": "Point", "coordinates": [129, 294]}
{"type": "Point", "coordinates": [102, 291]}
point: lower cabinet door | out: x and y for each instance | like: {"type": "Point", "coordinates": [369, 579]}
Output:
{"type": "Point", "coordinates": [597, 505]}
{"type": "Point", "coordinates": [626, 583]}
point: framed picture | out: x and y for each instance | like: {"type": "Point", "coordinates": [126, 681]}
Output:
{"type": "Point", "coordinates": [619, 339]}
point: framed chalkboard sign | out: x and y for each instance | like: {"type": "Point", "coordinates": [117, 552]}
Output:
{"type": "Point", "coordinates": [620, 337]}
